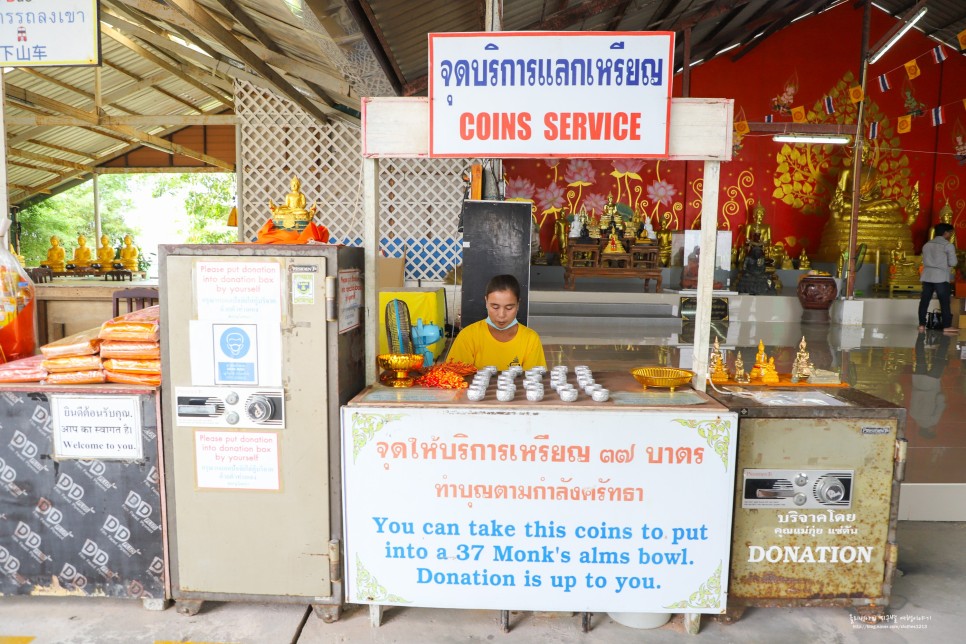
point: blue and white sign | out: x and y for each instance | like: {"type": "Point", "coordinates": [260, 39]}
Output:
{"type": "Point", "coordinates": [236, 353]}
{"type": "Point", "coordinates": [550, 94]}
{"type": "Point", "coordinates": [48, 33]}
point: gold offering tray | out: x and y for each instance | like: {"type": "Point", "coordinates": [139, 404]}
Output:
{"type": "Point", "coordinates": [670, 377]}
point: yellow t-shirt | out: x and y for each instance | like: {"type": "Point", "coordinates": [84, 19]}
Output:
{"type": "Point", "coordinates": [476, 346]}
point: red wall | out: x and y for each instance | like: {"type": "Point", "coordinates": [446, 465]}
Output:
{"type": "Point", "coordinates": [819, 55]}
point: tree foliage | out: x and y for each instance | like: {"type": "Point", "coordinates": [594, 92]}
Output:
{"type": "Point", "coordinates": [208, 199]}
{"type": "Point", "coordinates": [71, 213]}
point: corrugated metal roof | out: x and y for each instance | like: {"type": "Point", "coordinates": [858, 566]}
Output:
{"type": "Point", "coordinates": [327, 53]}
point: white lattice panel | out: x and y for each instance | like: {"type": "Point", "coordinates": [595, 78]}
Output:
{"type": "Point", "coordinates": [419, 198]}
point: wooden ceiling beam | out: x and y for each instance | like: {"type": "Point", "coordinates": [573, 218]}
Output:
{"type": "Point", "coordinates": [77, 90]}
{"type": "Point", "coordinates": [151, 140]}
{"type": "Point", "coordinates": [136, 120]}
{"type": "Point", "coordinates": [618, 16]}
{"type": "Point", "coordinates": [295, 68]}
{"type": "Point", "coordinates": [145, 83]}
{"type": "Point", "coordinates": [175, 69]}
{"type": "Point", "coordinates": [139, 17]}
{"type": "Point", "coordinates": [204, 20]}
{"type": "Point", "coordinates": [45, 158]}
{"type": "Point", "coordinates": [364, 17]}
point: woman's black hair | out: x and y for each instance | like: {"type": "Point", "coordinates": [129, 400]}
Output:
{"type": "Point", "coordinates": [503, 283]}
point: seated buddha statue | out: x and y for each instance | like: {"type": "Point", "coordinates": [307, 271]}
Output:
{"type": "Point", "coordinates": [56, 258]}
{"type": "Point", "coordinates": [609, 213]}
{"type": "Point", "coordinates": [129, 254]}
{"type": "Point", "coordinates": [756, 230]}
{"type": "Point", "coordinates": [105, 254]}
{"type": "Point", "coordinates": [804, 263]}
{"type": "Point", "coordinates": [881, 221]}
{"type": "Point", "coordinates": [82, 254]}
{"type": "Point", "coordinates": [292, 213]}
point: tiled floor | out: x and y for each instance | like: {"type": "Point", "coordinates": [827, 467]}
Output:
{"type": "Point", "coordinates": [922, 372]}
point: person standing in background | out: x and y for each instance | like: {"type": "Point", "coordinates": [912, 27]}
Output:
{"type": "Point", "coordinates": [938, 257]}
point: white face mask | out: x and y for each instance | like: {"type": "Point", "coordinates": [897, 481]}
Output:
{"type": "Point", "coordinates": [509, 326]}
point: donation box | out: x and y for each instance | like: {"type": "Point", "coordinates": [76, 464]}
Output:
{"type": "Point", "coordinates": [816, 498]}
{"type": "Point", "coordinates": [262, 345]}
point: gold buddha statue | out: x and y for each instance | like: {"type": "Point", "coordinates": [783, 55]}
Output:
{"type": "Point", "coordinates": [945, 217]}
{"type": "Point", "coordinates": [609, 213]}
{"type": "Point", "coordinates": [761, 358]}
{"type": "Point", "coordinates": [740, 376]}
{"type": "Point", "coordinates": [561, 232]}
{"type": "Point", "coordinates": [105, 254]}
{"type": "Point", "coordinates": [613, 245]}
{"type": "Point", "coordinates": [716, 367]}
{"type": "Point", "coordinates": [664, 240]}
{"type": "Point", "coordinates": [129, 254]}
{"type": "Point", "coordinates": [292, 213]}
{"type": "Point", "coordinates": [881, 222]}
{"type": "Point", "coordinates": [56, 258]}
{"type": "Point", "coordinates": [756, 230]}
{"type": "Point", "coordinates": [769, 374]}
{"type": "Point", "coordinates": [82, 254]}
{"type": "Point", "coordinates": [802, 368]}
{"type": "Point", "coordinates": [804, 263]}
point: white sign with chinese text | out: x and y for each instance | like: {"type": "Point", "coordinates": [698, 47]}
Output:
{"type": "Point", "coordinates": [47, 33]}
{"type": "Point", "coordinates": [539, 509]}
{"type": "Point", "coordinates": [550, 94]}
{"type": "Point", "coordinates": [97, 427]}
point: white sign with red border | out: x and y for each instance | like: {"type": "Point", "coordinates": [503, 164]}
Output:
{"type": "Point", "coordinates": [49, 33]}
{"type": "Point", "coordinates": [550, 94]}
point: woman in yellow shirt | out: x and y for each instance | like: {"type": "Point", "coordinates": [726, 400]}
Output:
{"type": "Point", "coordinates": [499, 340]}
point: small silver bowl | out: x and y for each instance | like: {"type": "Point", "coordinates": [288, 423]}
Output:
{"type": "Point", "coordinates": [601, 395]}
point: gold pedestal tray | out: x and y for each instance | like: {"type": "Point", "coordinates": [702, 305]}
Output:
{"type": "Point", "coordinates": [670, 377]}
{"type": "Point", "coordinates": [396, 368]}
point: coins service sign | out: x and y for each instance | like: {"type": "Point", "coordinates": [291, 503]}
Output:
{"type": "Point", "coordinates": [550, 94]}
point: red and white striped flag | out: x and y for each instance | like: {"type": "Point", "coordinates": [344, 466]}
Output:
{"type": "Point", "coordinates": [884, 83]}
{"type": "Point", "coordinates": [937, 116]}
{"type": "Point", "coordinates": [938, 54]}
{"type": "Point", "coordinates": [874, 130]}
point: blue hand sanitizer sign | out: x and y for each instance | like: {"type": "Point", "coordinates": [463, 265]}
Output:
{"type": "Point", "coordinates": [236, 354]}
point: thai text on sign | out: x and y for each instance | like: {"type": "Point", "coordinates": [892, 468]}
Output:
{"type": "Point", "coordinates": [548, 94]}
{"type": "Point", "coordinates": [37, 33]}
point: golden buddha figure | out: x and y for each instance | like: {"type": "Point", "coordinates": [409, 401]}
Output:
{"type": "Point", "coordinates": [593, 228]}
{"type": "Point", "coordinates": [82, 254]}
{"type": "Point", "coordinates": [56, 258]}
{"type": "Point", "coordinates": [561, 232]}
{"type": "Point", "coordinates": [613, 244]}
{"type": "Point", "coordinates": [664, 239]}
{"type": "Point", "coordinates": [292, 213]}
{"type": "Point", "coordinates": [716, 366]}
{"type": "Point", "coordinates": [761, 358]}
{"type": "Point", "coordinates": [756, 230]}
{"type": "Point", "coordinates": [769, 373]}
{"type": "Point", "coordinates": [945, 217]}
{"type": "Point", "coordinates": [804, 263]}
{"type": "Point", "coordinates": [609, 213]}
{"type": "Point", "coordinates": [740, 376]}
{"type": "Point", "coordinates": [881, 222]}
{"type": "Point", "coordinates": [105, 254]}
{"type": "Point", "coordinates": [129, 254]}
{"type": "Point", "coordinates": [802, 368]}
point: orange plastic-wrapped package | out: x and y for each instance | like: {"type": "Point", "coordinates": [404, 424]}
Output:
{"type": "Point", "coordinates": [72, 363]}
{"type": "Point", "coordinates": [84, 343]}
{"type": "Point", "coordinates": [151, 380]}
{"type": "Point", "coordinates": [131, 350]}
{"type": "Point", "coordinates": [91, 377]}
{"type": "Point", "coordinates": [133, 366]}
{"type": "Point", "coordinates": [136, 326]}
{"type": "Point", "coordinates": [24, 370]}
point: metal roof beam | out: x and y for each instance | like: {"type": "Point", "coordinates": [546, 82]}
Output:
{"type": "Point", "coordinates": [204, 20]}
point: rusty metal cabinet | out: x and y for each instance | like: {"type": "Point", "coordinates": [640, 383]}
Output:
{"type": "Point", "coordinates": [816, 499]}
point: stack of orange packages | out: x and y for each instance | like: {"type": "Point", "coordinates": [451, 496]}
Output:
{"type": "Point", "coordinates": [130, 348]}
{"type": "Point", "coordinates": [24, 370]}
{"type": "Point", "coordinates": [73, 360]}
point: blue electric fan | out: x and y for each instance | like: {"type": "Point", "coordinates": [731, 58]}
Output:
{"type": "Point", "coordinates": [424, 335]}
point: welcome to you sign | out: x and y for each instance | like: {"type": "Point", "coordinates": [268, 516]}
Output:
{"type": "Point", "coordinates": [550, 94]}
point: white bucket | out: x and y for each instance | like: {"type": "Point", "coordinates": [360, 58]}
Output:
{"type": "Point", "coordinates": [641, 620]}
